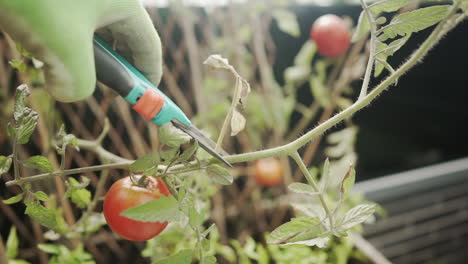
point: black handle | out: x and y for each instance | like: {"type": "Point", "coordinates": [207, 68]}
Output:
{"type": "Point", "coordinates": [110, 71]}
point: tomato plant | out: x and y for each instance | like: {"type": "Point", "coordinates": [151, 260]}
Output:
{"type": "Point", "coordinates": [331, 35]}
{"type": "Point", "coordinates": [124, 194]}
{"type": "Point", "coordinates": [268, 172]}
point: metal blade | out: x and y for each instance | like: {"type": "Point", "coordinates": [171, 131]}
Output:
{"type": "Point", "coordinates": [207, 144]}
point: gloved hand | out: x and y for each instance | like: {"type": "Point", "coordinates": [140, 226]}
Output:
{"type": "Point", "coordinates": [60, 33]}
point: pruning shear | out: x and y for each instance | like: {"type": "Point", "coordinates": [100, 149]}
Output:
{"type": "Point", "coordinates": [146, 99]}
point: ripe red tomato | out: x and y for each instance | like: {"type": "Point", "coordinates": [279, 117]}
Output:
{"type": "Point", "coordinates": [268, 172]}
{"type": "Point", "coordinates": [124, 194]}
{"type": "Point", "coordinates": [331, 35]}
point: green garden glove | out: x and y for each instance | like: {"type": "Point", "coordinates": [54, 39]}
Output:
{"type": "Point", "coordinates": [60, 34]}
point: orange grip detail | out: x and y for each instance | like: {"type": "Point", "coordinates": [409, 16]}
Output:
{"type": "Point", "coordinates": [149, 104]}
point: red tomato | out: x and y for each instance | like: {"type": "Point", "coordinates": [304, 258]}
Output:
{"type": "Point", "coordinates": [124, 194]}
{"type": "Point", "coordinates": [268, 172]}
{"type": "Point", "coordinates": [331, 35]}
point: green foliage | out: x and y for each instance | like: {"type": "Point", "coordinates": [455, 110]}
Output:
{"type": "Point", "coordinates": [182, 257]}
{"type": "Point", "coordinates": [413, 21]}
{"type": "Point", "coordinates": [49, 217]}
{"type": "Point", "coordinates": [61, 254]}
{"type": "Point", "coordinates": [66, 140]}
{"type": "Point", "coordinates": [355, 216]}
{"type": "Point", "coordinates": [163, 209]}
{"type": "Point", "coordinates": [14, 199]}
{"type": "Point", "coordinates": [12, 248]}
{"type": "Point", "coordinates": [146, 162]}
{"type": "Point", "coordinates": [41, 196]}
{"type": "Point", "coordinates": [302, 188]}
{"type": "Point", "coordinates": [19, 65]}
{"type": "Point", "coordinates": [40, 163]}
{"type": "Point", "coordinates": [219, 174]}
{"type": "Point", "coordinates": [25, 118]}
{"type": "Point", "coordinates": [78, 193]}
{"type": "Point", "coordinates": [287, 22]}
{"type": "Point", "coordinates": [172, 136]}
{"type": "Point", "coordinates": [12, 244]}
{"type": "Point", "coordinates": [401, 25]}
{"type": "Point", "coordinates": [5, 164]}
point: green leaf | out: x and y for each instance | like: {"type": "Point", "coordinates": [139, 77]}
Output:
{"type": "Point", "coordinates": [26, 125]}
{"type": "Point", "coordinates": [209, 260]}
{"type": "Point", "coordinates": [237, 122]}
{"type": "Point", "coordinates": [181, 257]}
{"type": "Point", "coordinates": [293, 228]}
{"type": "Point", "coordinates": [388, 5]}
{"type": "Point", "coordinates": [50, 248]}
{"type": "Point", "coordinates": [169, 154]}
{"type": "Point", "coordinates": [295, 74]}
{"type": "Point", "coordinates": [326, 177]}
{"type": "Point", "coordinates": [219, 174]}
{"type": "Point", "coordinates": [362, 27]}
{"type": "Point", "coordinates": [302, 188]}
{"type": "Point", "coordinates": [413, 21]}
{"type": "Point", "coordinates": [163, 209]}
{"type": "Point", "coordinates": [383, 51]}
{"type": "Point", "coordinates": [92, 224]}
{"type": "Point", "coordinates": [172, 136]}
{"type": "Point", "coordinates": [320, 242]}
{"type": "Point", "coordinates": [18, 64]}
{"type": "Point", "coordinates": [356, 215]}
{"type": "Point", "coordinates": [145, 162]}
{"type": "Point", "coordinates": [348, 181]}
{"type": "Point", "coordinates": [12, 244]}
{"type": "Point", "coordinates": [287, 22]}
{"type": "Point", "coordinates": [20, 97]}
{"type": "Point", "coordinates": [306, 54]}
{"type": "Point", "coordinates": [18, 261]}
{"type": "Point", "coordinates": [319, 91]}
{"type": "Point", "coordinates": [77, 193]}
{"type": "Point", "coordinates": [11, 131]}
{"type": "Point", "coordinates": [5, 164]}
{"type": "Point", "coordinates": [14, 199]}
{"type": "Point", "coordinates": [48, 217]}
{"type": "Point", "coordinates": [42, 196]}
{"type": "Point", "coordinates": [39, 162]}
{"type": "Point", "coordinates": [188, 153]}
{"type": "Point", "coordinates": [195, 218]}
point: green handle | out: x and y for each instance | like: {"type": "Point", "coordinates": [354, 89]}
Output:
{"type": "Point", "coordinates": [117, 73]}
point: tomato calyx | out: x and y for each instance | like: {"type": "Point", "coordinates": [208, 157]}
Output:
{"type": "Point", "coordinates": [141, 181]}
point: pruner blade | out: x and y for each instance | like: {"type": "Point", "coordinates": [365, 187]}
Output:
{"type": "Point", "coordinates": [207, 144]}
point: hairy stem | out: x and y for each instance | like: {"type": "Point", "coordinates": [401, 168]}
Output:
{"type": "Point", "coordinates": [370, 62]}
{"type": "Point", "coordinates": [297, 158]}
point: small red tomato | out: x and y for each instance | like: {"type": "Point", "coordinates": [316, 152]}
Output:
{"type": "Point", "coordinates": [268, 172]}
{"type": "Point", "coordinates": [124, 194]}
{"type": "Point", "coordinates": [331, 35]}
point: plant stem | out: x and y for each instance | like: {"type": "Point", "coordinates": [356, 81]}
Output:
{"type": "Point", "coordinates": [297, 158]}
{"type": "Point", "coordinates": [370, 62]}
{"type": "Point", "coordinates": [15, 159]}
{"type": "Point", "coordinates": [123, 165]}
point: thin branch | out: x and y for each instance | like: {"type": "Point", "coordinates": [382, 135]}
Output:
{"type": "Point", "coordinates": [122, 165]}
{"type": "Point", "coordinates": [297, 158]}
{"type": "Point", "coordinates": [370, 62]}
